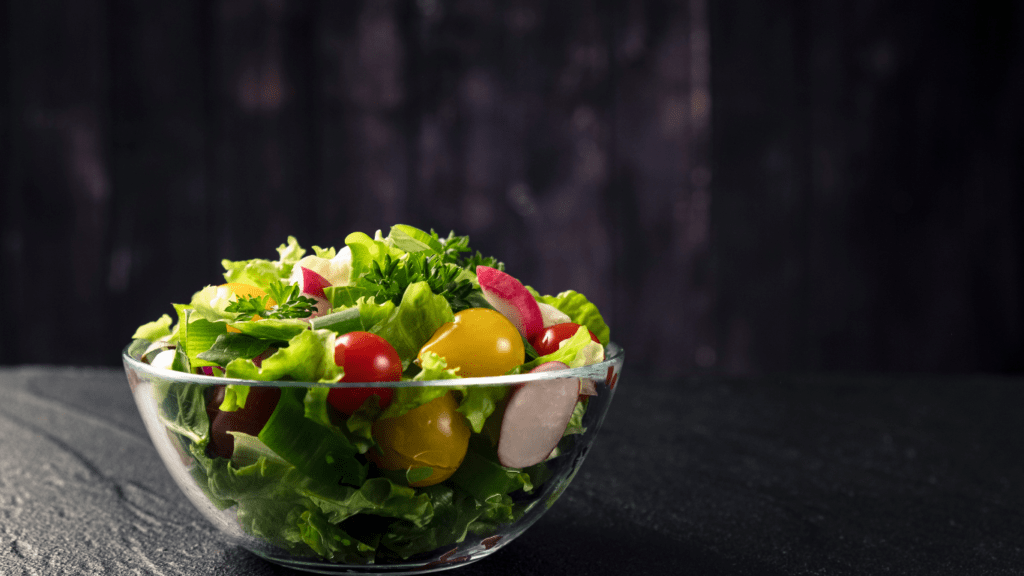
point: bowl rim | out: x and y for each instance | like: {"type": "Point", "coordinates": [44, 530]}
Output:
{"type": "Point", "coordinates": [614, 354]}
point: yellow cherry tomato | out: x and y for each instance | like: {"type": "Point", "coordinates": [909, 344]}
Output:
{"type": "Point", "coordinates": [480, 342]}
{"type": "Point", "coordinates": [247, 291]}
{"type": "Point", "coordinates": [433, 435]}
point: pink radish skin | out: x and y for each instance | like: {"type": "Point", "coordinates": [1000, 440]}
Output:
{"type": "Point", "coordinates": [512, 299]}
{"type": "Point", "coordinates": [535, 418]}
{"type": "Point", "coordinates": [312, 285]}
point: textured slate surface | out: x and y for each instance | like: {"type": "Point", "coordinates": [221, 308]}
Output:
{"type": "Point", "coordinates": [809, 475]}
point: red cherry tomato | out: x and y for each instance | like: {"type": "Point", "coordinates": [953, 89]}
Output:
{"type": "Point", "coordinates": [366, 357]}
{"type": "Point", "coordinates": [547, 341]}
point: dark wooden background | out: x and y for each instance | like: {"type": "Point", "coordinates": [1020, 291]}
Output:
{"type": "Point", "coordinates": [741, 186]}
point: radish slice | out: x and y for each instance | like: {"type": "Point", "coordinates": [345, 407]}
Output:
{"type": "Point", "coordinates": [163, 360]}
{"type": "Point", "coordinates": [337, 270]}
{"type": "Point", "coordinates": [535, 418]}
{"type": "Point", "coordinates": [312, 285]}
{"type": "Point", "coordinates": [508, 296]}
{"type": "Point", "coordinates": [156, 348]}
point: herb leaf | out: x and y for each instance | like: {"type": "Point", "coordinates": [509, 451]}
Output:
{"type": "Point", "coordinates": [290, 304]}
{"type": "Point", "coordinates": [388, 282]}
{"type": "Point", "coordinates": [454, 247]}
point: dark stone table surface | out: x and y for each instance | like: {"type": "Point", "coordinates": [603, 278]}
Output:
{"type": "Point", "coordinates": [704, 475]}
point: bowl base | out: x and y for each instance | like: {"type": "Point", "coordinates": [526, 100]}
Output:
{"type": "Point", "coordinates": [446, 562]}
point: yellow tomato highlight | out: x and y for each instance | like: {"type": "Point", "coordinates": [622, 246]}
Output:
{"type": "Point", "coordinates": [480, 342]}
{"type": "Point", "coordinates": [433, 435]}
{"type": "Point", "coordinates": [247, 291]}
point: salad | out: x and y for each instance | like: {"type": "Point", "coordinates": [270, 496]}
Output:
{"type": "Point", "coordinates": [373, 473]}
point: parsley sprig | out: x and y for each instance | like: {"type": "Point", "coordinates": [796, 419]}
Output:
{"type": "Point", "coordinates": [290, 304]}
{"type": "Point", "coordinates": [454, 247]}
{"type": "Point", "coordinates": [388, 282]}
{"type": "Point", "coordinates": [440, 269]}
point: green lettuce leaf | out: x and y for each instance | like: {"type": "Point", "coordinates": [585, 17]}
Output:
{"type": "Point", "coordinates": [268, 504]}
{"type": "Point", "coordinates": [196, 335]}
{"type": "Point", "coordinates": [330, 541]}
{"type": "Point", "coordinates": [308, 357]}
{"type": "Point", "coordinates": [277, 502]}
{"type": "Point", "coordinates": [486, 479]}
{"type": "Point", "coordinates": [180, 362]}
{"type": "Point", "coordinates": [249, 449]}
{"type": "Point", "coordinates": [231, 345]}
{"type": "Point", "coordinates": [259, 272]}
{"type": "Point", "coordinates": [372, 314]}
{"type": "Point", "coordinates": [295, 509]}
{"type": "Point", "coordinates": [433, 367]}
{"type": "Point", "coordinates": [413, 239]}
{"type": "Point", "coordinates": [455, 511]}
{"type": "Point", "coordinates": [575, 425]}
{"type": "Point", "coordinates": [378, 497]}
{"type": "Point", "coordinates": [183, 410]}
{"type": "Point", "coordinates": [366, 251]}
{"type": "Point", "coordinates": [318, 451]}
{"type": "Point", "coordinates": [272, 328]}
{"type": "Point", "coordinates": [479, 402]}
{"type": "Point", "coordinates": [476, 404]}
{"type": "Point", "coordinates": [357, 427]}
{"type": "Point", "coordinates": [235, 396]}
{"type": "Point", "coordinates": [344, 296]}
{"type": "Point", "coordinates": [414, 321]}
{"type": "Point", "coordinates": [211, 303]}
{"type": "Point", "coordinates": [154, 330]}
{"type": "Point", "coordinates": [407, 398]}
{"type": "Point", "coordinates": [315, 406]}
{"type": "Point", "coordinates": [325, 253]}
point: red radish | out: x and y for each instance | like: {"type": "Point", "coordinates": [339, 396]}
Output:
{"type": "Point", "coordinates": [336, 270]}
{"type": "Point", "coordinates": [535, 418]}
{"type": "Point", "coordinates": [512, 299]}
{"type": "Point", "coordinates": [312, 285]}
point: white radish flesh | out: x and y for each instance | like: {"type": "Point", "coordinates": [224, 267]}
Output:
{"type": "Point", "coordinates": [337, 271]}
{"type": "Point", "coordinates": [163, 360]}
{"type": "Point", "coordinates": [551, 315]}
{"type": "Point", "coordinates": [535, 418]}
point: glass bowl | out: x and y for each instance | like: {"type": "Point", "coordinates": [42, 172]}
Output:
{"type": "Point", "coordinates": [370, 520]}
